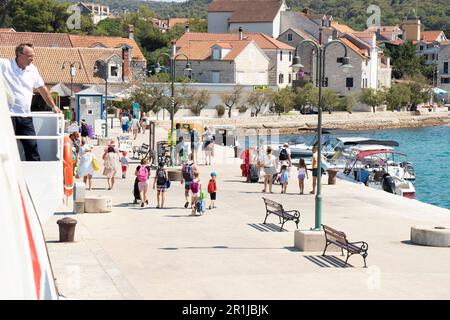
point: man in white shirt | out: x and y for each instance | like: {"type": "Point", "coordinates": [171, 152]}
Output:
{"type": "Point", "coordinates": [22, 78]}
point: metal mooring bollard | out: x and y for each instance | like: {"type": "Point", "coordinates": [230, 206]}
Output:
{"type": "Point", "coordinates": [66, 229]}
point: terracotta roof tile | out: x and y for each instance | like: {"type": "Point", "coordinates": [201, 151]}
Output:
{"type": "Point", "coordinates": [247, 10]}
{"type": "Point", "coordinates": [38, 39]}
{"type": "Point", "coordinates": [201, 49]}
{"type": "Point", "coordinates": [49, 62]}
{"type": "Point", "coordinates": [263, 41]}
{"type": "Point", "coordinates": [175, 21]}
{"type": "Point", "coordinates": [341, 27]}
{"type": "Point", "coordinates": [350, 45]}
{"type": "Point", "coordinates": [432, 35]}
{"type": "Point", "coordinates": [109, 42]}
{"type": "Point", "coordinates": [7, 30]}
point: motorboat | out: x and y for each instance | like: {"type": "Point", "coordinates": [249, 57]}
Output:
{"type": "Point", "coordinates": [373, 169]}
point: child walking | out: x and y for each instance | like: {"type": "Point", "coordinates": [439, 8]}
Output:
{"type": "Point", "coordinates": [124, 164]}
{"type": "Point", "coordinates": [302, 173]}
{"type": "Point", "coordinates": [284, 178]}
{"type": "Point", "coordinates": [161, 182]}
{"type": "Point", "coordinates": [212, 189]}
{"type": "Point", "coordinates": [196, 189]}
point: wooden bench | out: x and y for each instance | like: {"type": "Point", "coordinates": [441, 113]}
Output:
{"type": "Point", "coordinates": [141, 151]}
{"type": "Point", "coordinates": [276, 208]}
{"type": "Point", "coordinates": [338, 238]}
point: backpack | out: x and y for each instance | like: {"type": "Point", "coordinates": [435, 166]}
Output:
{"type": "Point", "coordinates": [211, 186]}
{"type": "Point", "coordinates": [142, 174]}
{"type": "Point", "coordinates": [283, 154]}
{"type": "Point", "coordinates": [195, 186]}
{"type": "Point", "coordinates": [161, 177]}
{"type": "Point", "coordinates": [188, 175]}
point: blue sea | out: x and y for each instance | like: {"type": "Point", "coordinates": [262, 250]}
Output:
{"type": "Point", "coordinates": [427, 148]}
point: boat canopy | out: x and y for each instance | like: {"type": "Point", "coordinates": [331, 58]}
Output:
{"type": "Point", "coordinates": [388, 143]}
{"type": "Point", "coordinates": [366, 153]}
{"type": "Point", "coordinates": [350, 139]}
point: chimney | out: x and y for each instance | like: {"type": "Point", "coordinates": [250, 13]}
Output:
{"type": "Point", "coordinates": [335, 34]}
{"type": "Point", "coordinates": [241, 37]}
{"type": "Point", "coordinates": [126, 72]}
{"type": "Point", "coordinates": [130, 32]}
{"type": "Point", "coordinates": [186, 28]}
{"type": "Point", "coordinates": [320, 36]}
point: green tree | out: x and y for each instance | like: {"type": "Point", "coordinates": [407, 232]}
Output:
{"type": "Point", "coordinates": [347, 103]}
{"type": "Point", "coordinates": [398, 97]}
{"type": "Point", "coordinates": [406, 62]}
{"type": "Point", "coordinates": [372, 98]}
{"type": "Point", "coordinates": [257, 99]}
{"type": "Point", "coordinates": [303, 96]}
{"type": "Point", "coordinates": [420, 93]}
{"type": "Point", "coordinates": [198, 101]}
{"type": "Point", "coordinates": [330, 100]}
{"type": "Point", "coordinates": [232, 99]}
{"type": "Point", "coordinates": [282, 101]}
{"type": "Point", "coordinates": [220, 110]}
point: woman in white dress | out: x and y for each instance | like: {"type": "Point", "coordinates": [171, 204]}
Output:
{"type": "Point", "coordinates": [86, 167]}
{"type": "Point", "coordinates": [270, 168]}
{"type": "Point", "coordinates": [112, 166]}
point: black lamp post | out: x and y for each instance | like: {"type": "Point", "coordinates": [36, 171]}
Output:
{"type": "Point", "coordinates": [320, 51]}
{"type": "Point", "coordinates": [72, 70]}
{"type": "Point", "coordinates": [105, 76]}
{"type": "Point", "coordinates": [173, 57]}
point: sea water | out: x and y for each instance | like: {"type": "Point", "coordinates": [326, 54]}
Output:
{"type": "Point", "coordinates": [427, 148]}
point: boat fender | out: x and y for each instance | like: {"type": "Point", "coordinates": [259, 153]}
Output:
{"type": "Point", "coordinates": [388, 184]}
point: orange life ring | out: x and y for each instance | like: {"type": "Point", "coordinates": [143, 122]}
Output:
{"type": "Point", "coordinates": [68, 166]}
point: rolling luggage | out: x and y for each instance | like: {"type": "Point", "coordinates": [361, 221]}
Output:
{"type": "Point", "coordinates": [254, 173]}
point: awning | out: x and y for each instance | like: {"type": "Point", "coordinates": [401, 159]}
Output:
{"type": "Point", "coordinates": [61, 90]}
{"type": "Point", "coordinates": [364, 154]}
{"type": "Point", "coordinates": [439, 91]}
{"type": "Point", "coordinates": [388, 143]}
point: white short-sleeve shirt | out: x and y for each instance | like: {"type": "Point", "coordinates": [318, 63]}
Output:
{"type": "Point", "coordinates": [21, 83]}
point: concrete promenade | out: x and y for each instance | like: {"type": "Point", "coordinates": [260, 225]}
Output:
{"type": "Point", "coordinates": [148, 253]}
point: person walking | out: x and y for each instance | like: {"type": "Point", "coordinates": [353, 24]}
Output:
{"type": "Point", "coordinates": [124, 123]}
{"type": "Point", "coordinates": [207, 139]}
{"type": "Point", "coordinates": [21, 78]}
{"type": "Point", "coordinates": [124, 163]}
{"type": "Point", "coordinates": [302, 173]}
{"type": "Point", "coordinates": [196, 189]}
{"type": "Point", "coordinates": [195, 144]}
{"type": "Point", "coordinates": [86, 166]}
{"type": "Point", "coordinates": [284, 178]}
{"type": "Point", "coordinates": [212, 190]}
{"type": "Point", "coordinates": [84, 131]}
{"type": "Point", "coordinates": [111, 166]}
{"type": "Point", "coordinates": [135, 127]}
{"type": "Point", "coordinates": [188, 170]}
{"type": "Point", "coordinates": [161, 181]}
{"type": "Point", "coordinates": [270, 169]}
{"type": "Point", "coordinates": [143, 174]}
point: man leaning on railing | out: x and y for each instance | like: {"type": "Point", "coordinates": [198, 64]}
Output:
{"type": "Point", "coordinates": [22, 77]}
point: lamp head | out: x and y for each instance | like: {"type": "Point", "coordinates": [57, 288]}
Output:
{"type": "Point", "coordinates": [188, 67]}
{"type": "Point", "coordinates": [346, 66]}
{"type": "Point", "coordinates": [296, 64]}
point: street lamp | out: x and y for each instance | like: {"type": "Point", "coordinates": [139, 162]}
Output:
{"type": "Point", "coordinates": [173, 57]}
{"type": "Point", "coordinates": [320, 51]}
{"type": "Point", "coordinates": [105, 76]}
{"type": "Point", "coordinates": [72, 72]}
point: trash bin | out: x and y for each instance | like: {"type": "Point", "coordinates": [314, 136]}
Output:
{"type": "Point", "coordinates": [66, 229]}
{"type": "Point", "coordinates": [332, 176]}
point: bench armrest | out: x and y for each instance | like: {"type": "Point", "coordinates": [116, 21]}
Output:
{"type": "Point", "coordinates": [363, 245]}
{"type": "Point", "coordinates": [296, 213]}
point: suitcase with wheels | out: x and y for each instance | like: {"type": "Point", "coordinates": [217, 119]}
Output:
{"type": "Point", "coordinates": [254, 173]}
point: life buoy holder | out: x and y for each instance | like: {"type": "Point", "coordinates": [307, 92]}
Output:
{"type": "Point", "coordinates": [68, 166]}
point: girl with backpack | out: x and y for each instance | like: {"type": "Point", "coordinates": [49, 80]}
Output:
{"type": "Point", "coordinates": [143, 174]}
{"type": "Point", "coordinates": [212, 189]}
{"type": "Point", "coordinates": [188, 170]}
{"type": "Point", "coordinates": [162, 182]}
{"type": "Point", "coordinates": [196, 189]}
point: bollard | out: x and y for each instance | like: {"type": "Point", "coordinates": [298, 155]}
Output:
{"type": "Point", "coordinates": [332, 176]}
{"type": "Point", "coordinates": [66, 229]}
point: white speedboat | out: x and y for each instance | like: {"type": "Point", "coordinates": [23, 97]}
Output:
{"type": "Point", "coordinates": [371, 168]}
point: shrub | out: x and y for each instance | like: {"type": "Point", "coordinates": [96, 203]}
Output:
{"type": "Point", "coordinates": [220, 110]}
